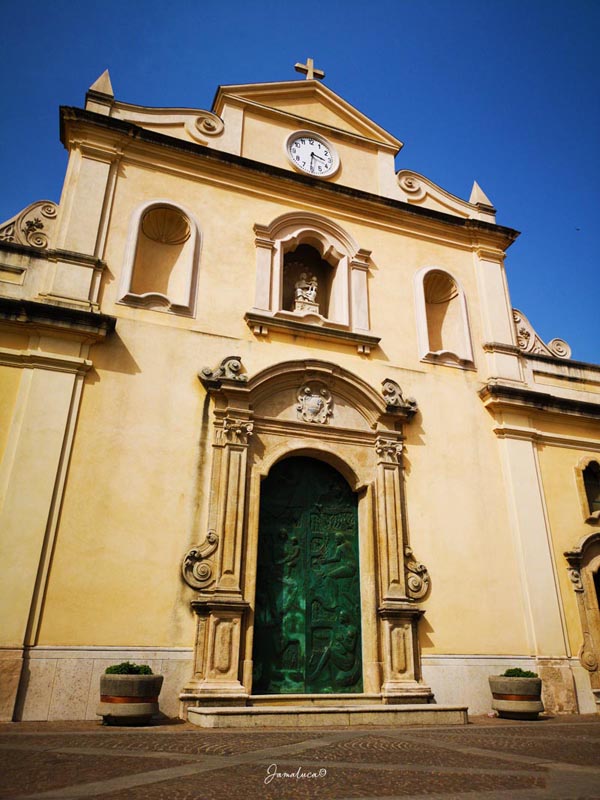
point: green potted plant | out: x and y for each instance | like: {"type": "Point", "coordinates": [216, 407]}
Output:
{"type": "Point", "coordinates": [517, 694]}
{"type": "Point", "coordinates": [128, 694]}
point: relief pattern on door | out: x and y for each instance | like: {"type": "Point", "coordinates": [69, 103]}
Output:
{"type": "Point", "coordinates": [307, 636]}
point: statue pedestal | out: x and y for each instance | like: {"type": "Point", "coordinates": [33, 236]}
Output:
{"type": "Point", "coordinates": [306, 306]}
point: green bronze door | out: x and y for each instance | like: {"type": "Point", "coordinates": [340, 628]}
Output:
{"type": "Point", "coordinates": [307, 620]}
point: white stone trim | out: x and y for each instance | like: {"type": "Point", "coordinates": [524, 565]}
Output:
{"type": "Point", "coordinates": [349, 303]}
{"type": "Point", "coordinates": [160, 302]}
{"type": "Point", "coordinates": [462, 359]}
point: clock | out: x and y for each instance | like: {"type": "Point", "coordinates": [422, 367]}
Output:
{"type": "Point", "coordinates": [312, 154]}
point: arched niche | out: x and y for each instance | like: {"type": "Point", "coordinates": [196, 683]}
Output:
{"type": "Point", "coordinates": [442, 319]}
{"type": "Point", "coordinates": [317, 247]}
{"type": "Point", "coordinates": [587, 478]}
{"type": "Point", "coordinates": [161, 258]}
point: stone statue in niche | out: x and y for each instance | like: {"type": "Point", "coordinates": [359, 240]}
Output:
{"type": "Point", "coordinates": [305, 293]}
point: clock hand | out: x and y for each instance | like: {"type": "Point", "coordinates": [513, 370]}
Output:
{"type": "Point", "coordinates": [314, 155]}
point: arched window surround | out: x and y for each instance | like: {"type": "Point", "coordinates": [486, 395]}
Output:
{"type": "Point", "coordinates": [348, 314]}
{"type": "Point", "coordinates": [589, 516]}
{"type": "Point", "coordinates": [185, 303]}
{"type": "Point", "coordinates": [463, 358]}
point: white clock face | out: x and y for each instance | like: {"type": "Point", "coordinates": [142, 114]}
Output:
{"type": "Point", "coordinates": [312, 154]}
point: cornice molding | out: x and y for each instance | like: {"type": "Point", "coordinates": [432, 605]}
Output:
{"type": "Point", "coordinates": [496, 395]}
{"type": "Point", "coordinates": [64, 320]}
{"type": "Point", "coordinates": [134, 133]}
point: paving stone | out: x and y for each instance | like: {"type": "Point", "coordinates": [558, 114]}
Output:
{"type": "Point", "coordinates": [385, 750]}
{"type": "Point", "coordinates": [248, 783]}
{"type": "Point", "coordinates": [212, 743]}
{"type": "Point", "coordinates": [24, 772]}
{"type": "Point", "coordinates": [561, 745]}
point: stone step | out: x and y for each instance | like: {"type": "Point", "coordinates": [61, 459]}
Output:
{"type": "Point", "coordinates": [307, 716]}
{"type": "Point", "coordinates": [279, 700]}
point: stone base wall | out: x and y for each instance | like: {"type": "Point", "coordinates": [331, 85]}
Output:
{"type": "Point", "coordinates": [64, 682]}
{"type": "Point", "coordinates": [463, 680]}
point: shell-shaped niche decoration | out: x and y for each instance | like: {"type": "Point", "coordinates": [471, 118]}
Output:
{"type": "Point", "coordinates": [166, 225]}
{"type": "Point", "coordinates": [439, 287]}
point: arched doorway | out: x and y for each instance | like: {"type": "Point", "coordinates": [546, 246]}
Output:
{"type": "Point", "coordinates": [307, 633]}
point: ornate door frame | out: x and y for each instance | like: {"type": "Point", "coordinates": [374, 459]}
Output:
{"type": "Point", "coordinates": [584, 565]}
{"type": "Point", "coordinates": [320, 410]}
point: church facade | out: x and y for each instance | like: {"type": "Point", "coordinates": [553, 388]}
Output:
{"type": "Point", "coordinates": [271, 425]}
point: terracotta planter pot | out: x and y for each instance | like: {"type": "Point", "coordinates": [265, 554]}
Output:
{"type": "Point", "coordinates": [129, 699]}
{"type": "Point", "coordinates": [516, 698]}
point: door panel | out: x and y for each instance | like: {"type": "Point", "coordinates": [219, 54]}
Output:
{"type": "Point", "coordinates": [307, 621]}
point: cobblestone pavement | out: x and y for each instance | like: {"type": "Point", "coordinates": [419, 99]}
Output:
{"type": "Point", "coordinates": [553, 759]}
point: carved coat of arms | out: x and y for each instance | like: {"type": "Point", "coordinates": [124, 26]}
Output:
{"type": "Point", "coordinates": [314, 404]}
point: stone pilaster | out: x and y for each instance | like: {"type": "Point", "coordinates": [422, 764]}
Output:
{"type": "Point", "coordinates": [390, 516]}
{"type": "Point", "coordinates": [401, 579]}
{"type": "Point", "coordinates": [214, 566]}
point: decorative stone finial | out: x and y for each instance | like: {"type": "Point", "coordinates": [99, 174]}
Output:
{"type": "Point", "coordinates": [228, 370]}
{"type": "Point", "coordinates": [478, 197]}
{"type": "Point", "coordinates": [394, 399]}
{"type": "Point", "coordinates": [102, 85]}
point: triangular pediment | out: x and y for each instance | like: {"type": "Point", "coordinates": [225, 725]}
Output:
{"type": "Point", "coordinates": [306, 100]}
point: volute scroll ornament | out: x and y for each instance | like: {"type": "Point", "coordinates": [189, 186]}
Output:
{"type": "Point", "coordinates": [33, 226]}
{"type": "Point", "coordinates": [314, 404]}
{"type": "Point", "coordinates": [209, 124]}
{"type": "Point", "coordinates": [417, 577]}
{"type": "Point", "coordinates": [575, 578]}
{"type": "Point", "coordinates": [587, 657]}
{"type": "Point", "coordinates": [230, 369]}
{"type": "Point", "coordinates": [529, 342]}
{"type": "Point", "coordinates": [392, 394]}
{"type": "Point", "coordinates": [196, 569]}
{"type": "Point", "coordinates": [411, 185]}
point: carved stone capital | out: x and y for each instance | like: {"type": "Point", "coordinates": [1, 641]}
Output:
{"type": "Point", "coordinates": [417, 577]}
{"type": "Point", "coordinates": [235, 431]}
{"type": "Point", "coordinates": [314, 403]}
{"type": "Point", "coordinates": [196, 569]}
{"type": "Point", "coordinates": [230, 369]}
{"type": "Point", "coordinates": [388, 449]}
{"type": "Point", "coordinates": [394, 399]}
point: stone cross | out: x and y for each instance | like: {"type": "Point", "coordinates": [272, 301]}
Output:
{"type": "Point", "coordinates": [309, 70]}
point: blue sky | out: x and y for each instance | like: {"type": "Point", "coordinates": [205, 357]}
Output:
{"type": "Point", "coordinates": [505, 92]}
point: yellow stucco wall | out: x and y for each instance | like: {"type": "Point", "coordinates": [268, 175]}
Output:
{"type": "Point", "coordinates": [140, 427]}
{"type": "Point", "coordinates": [10, 379]}
{"type": "Point", "coordinates": [565, 506]}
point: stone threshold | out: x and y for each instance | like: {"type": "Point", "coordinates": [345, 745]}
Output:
{"type": "Point", "coordinates": [307, 716]}
{"type": "Point", "coordinates": [341, 699]}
